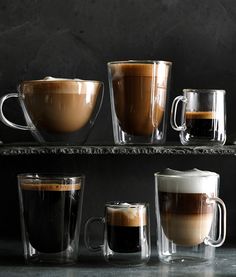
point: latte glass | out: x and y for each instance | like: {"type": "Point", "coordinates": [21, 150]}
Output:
{"type": "Point", "coordinates": [139, 93]}
{"type": "Point", "coordinates": [50, 213]}
{"type": "Point", "coordinates": [126, 233]}
{"type": "Point", "coordinates": [57, 110]}
{"type": "Point", "coordinates": [191, 219]}
{"type": "Point", "coordinates": [203, 117]}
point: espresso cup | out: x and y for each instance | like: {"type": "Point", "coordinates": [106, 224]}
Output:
{"type": "Point", "coordinates": [57, 110]}
{"type": "Point", "coordinates": [186, 210]}
{"type": "Point", "coordinates": [126, 233]}
{"type": "Point", "coordinates": [203, 118]}
{"type": "Point", "coordinates": [50, 213]}
{"type": "Point", "coordinates": [139, 92]}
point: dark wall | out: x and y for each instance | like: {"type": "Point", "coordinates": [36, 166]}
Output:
{"type": "Point", "coordinates": [76, 39]}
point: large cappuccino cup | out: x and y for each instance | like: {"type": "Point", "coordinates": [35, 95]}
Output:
{"type": "Point", "coordinates": [139, 93]}
{"type": "Point", "coordinates": [57, 110]}
{"type": "Point", "coordinates": [191, 219]}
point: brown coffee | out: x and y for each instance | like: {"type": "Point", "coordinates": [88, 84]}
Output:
{"type": "Point", "coordinates": [139, 96]}
{"type": "Point", "coordinates": [58, 105]}
{"type": "Point", "coordinates": [186, 218]}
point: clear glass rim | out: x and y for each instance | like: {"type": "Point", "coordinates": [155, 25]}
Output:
{"type": "Point", "coordinates": [125, 204]}
{"type": "Point", "coordinates": [140, 62]}
{"type": "Point", "coordinates": [158, 174]}
{"type": "Point", "coordinates": [49, 176]}
{"type": "Point", "coordinates": [28, 82]}
{"type": "Point", "coordinates": [204, 90]}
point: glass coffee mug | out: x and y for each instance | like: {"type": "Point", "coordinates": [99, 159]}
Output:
{"type": "Point", "coordinates": [126, 233]}
{"type": "Point", "coordinates": [203, 117]}
{"type": "Point", "coordinates": [57, 110]}
{"type": "Point", "coordinates": [139, 92]}
{"type": "Point", "coordinates": [191, 219]}
{"type": "Point", "coordinates": [50, 213]}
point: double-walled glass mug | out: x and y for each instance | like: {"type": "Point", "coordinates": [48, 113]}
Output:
{"type": "Point", "coordinates": [191, 219]}
{"type": "Point", "coordinates": [139, 92]}
{"type": "Point", "coordinates": [203, 118]}
{"type": "Point", "coordinates": [50, 213]}
{"type": "Point", "coordinates": [57, 110]}
{"type": "Point", "coordinates": [126, 233]}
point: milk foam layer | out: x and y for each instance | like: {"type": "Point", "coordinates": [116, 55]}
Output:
{"type": "Point", "coordinates": [190, 181]}
{"type": "Point", "coordinates": [127, 215]}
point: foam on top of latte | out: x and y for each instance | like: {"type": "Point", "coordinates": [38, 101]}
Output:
{"type": "Point", "coordinates": [127, 215]}
{"type": "Point", "coordinates": [189, 181]}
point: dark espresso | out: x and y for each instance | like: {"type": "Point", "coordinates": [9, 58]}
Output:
{"type": "Point", "coordinates": [125, 239]}
{"type": "Point", "coordinates": [126, 229]}
{"type": "Point", "coordinates": [139, 97]}
{"type": "Point", "coordinates": [50, 214]}
{"type": "Point", "coordinates": [201, 124]}
{"type": "Point", "coordinates": [186, 218]}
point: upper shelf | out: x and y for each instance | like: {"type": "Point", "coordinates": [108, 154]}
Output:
{"type": "Point", "coordinates": [35, 149]}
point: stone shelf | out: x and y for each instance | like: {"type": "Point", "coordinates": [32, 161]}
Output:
{"type": "Point", "coordinates": [37, 149]}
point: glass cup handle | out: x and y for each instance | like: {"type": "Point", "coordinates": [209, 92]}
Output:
{"type": "Point", "coordinates": [174, 107]}
{"type": "Point", "coordinates": [86, 234]}
{"type": "Point", "coordinates": [5, 120]}
{"type": "Point", "coordinates": [222, 223]}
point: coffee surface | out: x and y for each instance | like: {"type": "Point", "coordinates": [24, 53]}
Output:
{"type": "Point", "coordinates": [139, 96]}
{"type": "Point", "coordinates": [60, 106]}
{"type": "Point", "coordinates": [50, 214]}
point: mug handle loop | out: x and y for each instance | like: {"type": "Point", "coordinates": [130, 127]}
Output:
{"type": "Point", "coordinates": [174, 107]}
{"type": "Point", "coordinates": [8, 122]}
{"type": "Point", "coordinates": [222, 223]}
{"type": "Point", "coordinates": [86, 234]}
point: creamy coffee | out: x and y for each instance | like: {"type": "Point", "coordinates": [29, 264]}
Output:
{"type": "Point", "coordinates": [186, 215]}
{"type": "Point", "coordinates": [60, 105]}
{"type": "Point", "coordinates": [124, 225]}
{"type": "Point", "coordinates": [139, 96]}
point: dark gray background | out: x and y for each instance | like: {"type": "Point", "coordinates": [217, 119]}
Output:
{"type": "Point", "coordinates": [76, 39]}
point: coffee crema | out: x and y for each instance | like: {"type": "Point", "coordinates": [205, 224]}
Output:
{"type": "Point", "coordinates": [50, 214]}
{"type": "Point", "coordinates": [60, 105]}
{"type": "Point", "coordinates": [139, 96]}
{"type": "Point", "coordinates": [123, 228]}
{"type": "Point", "coordinates": [186, 215]}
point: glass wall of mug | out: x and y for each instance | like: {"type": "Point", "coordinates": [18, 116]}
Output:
{"type": "Point", "coordinates": [57, 110]}
{"type": "Point", "coordinates": [126, 238]}
{"type": "Point", "coordinates": [191, 219]}
{"type": "Point", "coordinates": [50, 213]}
{"type": "Point", "coordinates": [203, 117]}
{"type": "Point", "coordinates": [139, 94]}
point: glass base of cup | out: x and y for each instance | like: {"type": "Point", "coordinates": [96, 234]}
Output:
{"type": "Point", "coordinates": [188, 260]}
{"type": "Point", "coordinates": [123, 138]}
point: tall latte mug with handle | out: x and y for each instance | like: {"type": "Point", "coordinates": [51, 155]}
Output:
{"type": "Point", "coordinates": [191, 218]}
{"type": "Point", "coordinates": [203, 117]}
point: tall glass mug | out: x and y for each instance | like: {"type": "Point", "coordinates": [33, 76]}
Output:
{"type": "Point", "coordinates": [139, 92]}
{"type": "Point", "coordinates": [203, 117]}
{"type": "Point", "coordinates": [126, 233]}
{"type": "Point", "coordinates": [191, 219]}
{"type": "Point", "coordinates": [57, 110]}
{"type": "Point", "coordinates": [50, 213]}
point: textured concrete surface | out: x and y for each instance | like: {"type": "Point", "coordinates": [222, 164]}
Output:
{"type": "Point", "coordinates": [12, 264]}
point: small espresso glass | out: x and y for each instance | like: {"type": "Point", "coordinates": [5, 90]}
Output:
{"type": "Point", "coordinates": [57, 110]}
{"type": "Point", "coordinates": [191, 219]}
{"type": "Point", "coordinates": [139, 93]}
{"type": "Point", "coordinates": [126, 233]}
{"type": "Point", "coordinates": [50, 213]}
{"type": "Point", "coordinates": [203, 118]}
